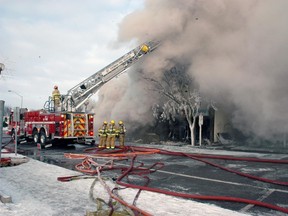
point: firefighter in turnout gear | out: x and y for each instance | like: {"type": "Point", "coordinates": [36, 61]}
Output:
{"type": "Point", "coordinates": [121, 134]}
{"type": "Point", "coordinates": [102, 133]}
{"type": "Point", "coordinates": [56, 97]}
{"type": "Point", "coordinates": [111, 135]}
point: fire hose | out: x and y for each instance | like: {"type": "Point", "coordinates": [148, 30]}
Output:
{"type": "Point", "coordinates": [5, 162]}
{"type": "Point", "coordinates": [88, 162]}
{"type": "Point", "coordinates": [7, 143]}
{"type": "Point", "coordinates": [195, 196]}
{"type": "Point", "coordinates": [117, 198]}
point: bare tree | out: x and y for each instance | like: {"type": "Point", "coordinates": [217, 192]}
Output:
{"type": "Point", "coordinates": [176, 86]}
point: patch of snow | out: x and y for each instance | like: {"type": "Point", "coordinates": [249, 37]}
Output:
{"type": "Point", "coordinates": [35, 190]}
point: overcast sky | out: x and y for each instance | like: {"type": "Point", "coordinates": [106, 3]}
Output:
{"type": "Point", "coordinates": [43, 43]}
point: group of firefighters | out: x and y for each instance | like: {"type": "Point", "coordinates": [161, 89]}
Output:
{"type": "Point", "coordinates": [108, 134]}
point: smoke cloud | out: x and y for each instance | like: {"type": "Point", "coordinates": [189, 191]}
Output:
{"type": "Point", "coordinates": [236, 52]}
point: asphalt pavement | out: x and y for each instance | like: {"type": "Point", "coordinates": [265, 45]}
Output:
{"type": "Point", "coordinates": [185, 175]}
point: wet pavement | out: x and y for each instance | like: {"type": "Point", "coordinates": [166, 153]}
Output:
{"type": "Point", "coordinates": [189, 176]}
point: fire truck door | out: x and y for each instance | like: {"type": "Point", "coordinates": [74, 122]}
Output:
{"type": "Point", "coordinates": [79, 125]}
{"type": "Point", "coordinates": [68, 126]}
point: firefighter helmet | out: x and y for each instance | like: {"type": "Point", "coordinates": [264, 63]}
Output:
{"type": "Point", "coordinates": [120, 122]}
{"type": "Point", "coordinates": [112, 122]}
{"type": "Point", "coordinates": [105, 122]}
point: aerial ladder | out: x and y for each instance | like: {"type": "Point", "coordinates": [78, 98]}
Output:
{"type": "Point", "coordinates": [80, 93]}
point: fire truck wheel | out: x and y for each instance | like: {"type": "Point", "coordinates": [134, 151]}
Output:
{"type": "Point", "coordinates": [35, 137]}
{"type": "Point", "coordinates": [43, 138]}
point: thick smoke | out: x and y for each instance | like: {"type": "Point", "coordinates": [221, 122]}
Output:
{"type": "Point", "coordinates": [236, 50]}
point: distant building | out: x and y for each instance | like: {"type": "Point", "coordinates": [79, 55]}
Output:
{"type": "Point", "coordinates": [216, 126]}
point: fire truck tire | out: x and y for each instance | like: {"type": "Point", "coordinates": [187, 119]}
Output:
{"type": "Point", "coordinates": [35, 137]}
{"type": "Point", "coordinates": [43, 138]}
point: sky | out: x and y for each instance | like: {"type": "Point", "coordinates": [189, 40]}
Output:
{"type": "Point", "coordinates": [34, 190]}
{"type": "Point", "coordinates": [234, 50]}
{"type": "Point", "coordinates": [47, 43]}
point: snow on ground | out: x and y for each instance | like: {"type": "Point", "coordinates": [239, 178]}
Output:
{"type": "Point", "coordinates": [35, 190]}
{"type": "Point", "coordinates": [214, 150]}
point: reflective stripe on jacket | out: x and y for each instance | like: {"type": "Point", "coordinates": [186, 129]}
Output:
{"type": "Point", "coordinates": [122, 129]}
{"type": "Point", "coordinates": [111, 130]}
{"type": "Point", "coordinates": [102, 131]}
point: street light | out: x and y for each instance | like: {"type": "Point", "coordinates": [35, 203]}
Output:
{"type": "Point", "coordinates": [19, 96]}
{"type": "Point", "coordinates": [17, 118]}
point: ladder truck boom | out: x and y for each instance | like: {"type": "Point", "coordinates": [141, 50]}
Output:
{"type": "Point", "coordinates": [80, 93]}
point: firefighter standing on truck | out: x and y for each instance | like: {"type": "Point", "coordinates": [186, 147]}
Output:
{"type": "Point", "coordinates": [121, 134]}
{"type": "Point", "coordinates": [102, 133]}
{"type": "Point", "coordinates": [111, 135]}
{"type": "Point", "coordinates": [56, 96]}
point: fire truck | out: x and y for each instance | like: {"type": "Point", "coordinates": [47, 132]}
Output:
{"type": "Point", "coordinates": [68, 123]}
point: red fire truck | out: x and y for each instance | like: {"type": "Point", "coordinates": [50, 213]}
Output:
{"type": "Point", "coordinates": [68, 123]}
{"type": "Point", "coordinates": [42, 126]}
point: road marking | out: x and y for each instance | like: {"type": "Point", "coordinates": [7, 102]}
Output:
{"type": "Point", "coordinates": [264, 196]}
{"type": "Point", "coordinates": [201, 178]}
{"type": "Point", "coordinates": [215, 180]}
{"type": "Point", "coordinates": [219, 181]}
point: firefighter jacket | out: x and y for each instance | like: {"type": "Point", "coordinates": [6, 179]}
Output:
{"type": "Point", "coordinates": [121, 129]}
{"type": "Point", "coordinates": [102, 131]}
{"type": "Point", "coordinates": [56, 94]}
{"type": "Point", "coordinates": [111, 130]}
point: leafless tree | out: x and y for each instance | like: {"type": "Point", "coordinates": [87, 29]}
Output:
{"type": "Point", "coordinates": [181, 97]}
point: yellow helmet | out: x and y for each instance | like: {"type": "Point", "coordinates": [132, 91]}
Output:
{"type": "Point", "coordinates": [120, 122]}
{"type": "Point", "coordinates": [105, 122]}
{"type": "Point", "coordinates": [112, 122]}
{"type": "Point", "coordinates": [144, 48]}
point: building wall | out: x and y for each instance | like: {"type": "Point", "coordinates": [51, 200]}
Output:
{"type": "Point", "coordinates": [222, 123]}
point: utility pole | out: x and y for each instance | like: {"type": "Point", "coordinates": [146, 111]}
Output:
{"type": "Point", "coordinates": [16, 118]}
{"type": "Point", "coordinates": [1, 125]}
{"type": "Point", "coordinates": [200, 128]}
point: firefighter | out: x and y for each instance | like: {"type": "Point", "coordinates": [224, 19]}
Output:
{"type": "Point", "coordinates": [111, 135]}
{"type": "Point", "coordinates": [121, 133]}
{"type": "Point", "coordinates": [56, 96]}
{"type": "Point", "coordinates": [102, 133]}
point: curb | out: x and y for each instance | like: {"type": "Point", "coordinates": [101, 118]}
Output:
{"type": "Point", "coordinates": [5, 198]}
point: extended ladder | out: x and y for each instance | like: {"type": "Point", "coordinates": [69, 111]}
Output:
{"type": "Point", "coordinates": [80, 93]}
